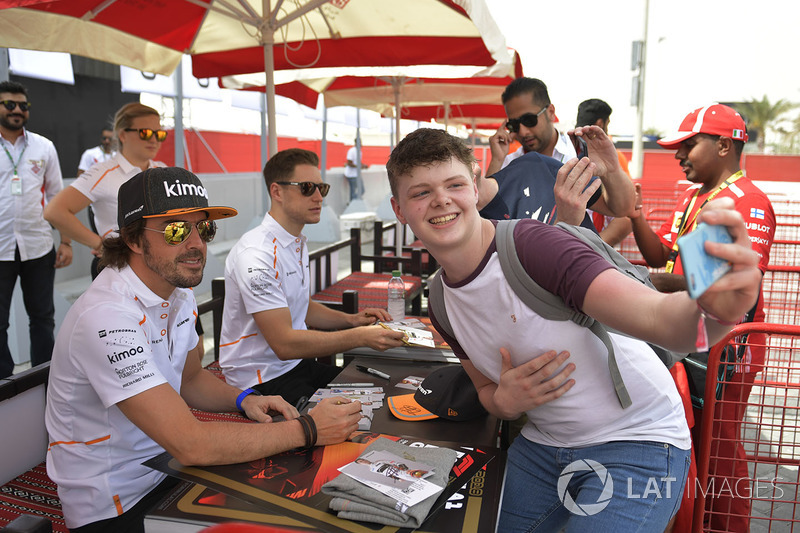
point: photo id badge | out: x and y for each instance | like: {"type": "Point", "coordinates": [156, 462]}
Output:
{"type": "Point", "coordinates": [16, 185]}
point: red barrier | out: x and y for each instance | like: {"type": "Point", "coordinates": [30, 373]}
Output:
{"type": "Point", "coordinates": [749, 449]}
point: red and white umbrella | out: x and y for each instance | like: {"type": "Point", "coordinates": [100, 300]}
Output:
{"type": "Point", "coordinates": [398, 90]}
{"type": "Point", "coordinates": [476, 116]}
{"type": "Point", "coordinates": [226, 37]}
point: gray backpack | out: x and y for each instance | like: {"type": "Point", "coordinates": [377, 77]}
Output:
{"type": "Point", "coordinates": [550, 306]}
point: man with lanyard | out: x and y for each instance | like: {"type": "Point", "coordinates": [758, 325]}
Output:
{"type": "Point", "coordinates": [709, 146]}
{"type": "Point", "coordinates": [29, 176]}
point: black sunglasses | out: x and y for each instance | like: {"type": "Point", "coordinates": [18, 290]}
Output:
{"type": "Point", "coordinates": [177, 232]}
{"type": "Point", "coordinates": [529, 120]}
{"type": "Point", "coordinates": [307, 187]}
{"type": "Point", "coordinates": [146, 134]}
{"type": "Point", "coordinates": [12, 104]}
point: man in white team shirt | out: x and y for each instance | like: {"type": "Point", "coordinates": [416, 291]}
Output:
{"type": "Point", "coordinates": [124, 372]}
{"type": "Point", "coordinates": [266, 342]}
{"type": "Point", "coordinates": [99, 153]}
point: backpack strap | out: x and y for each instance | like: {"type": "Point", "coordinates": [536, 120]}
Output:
{"type": "Point", "coordinates": [436, 302]}
{"type": "Point", "coordinates": [548, 305]}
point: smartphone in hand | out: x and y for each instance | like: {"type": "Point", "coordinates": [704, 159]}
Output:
{"type": "Point", "coordinates": [700, 268]}
{"type": "Point", "coordinates": [580, 146]}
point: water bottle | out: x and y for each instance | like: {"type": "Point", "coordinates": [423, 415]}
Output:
{"type": "Point", "coordinates": [396, 297]}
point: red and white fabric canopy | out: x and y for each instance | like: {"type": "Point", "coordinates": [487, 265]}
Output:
{"type": "Point", "coordinates": [226, 37]}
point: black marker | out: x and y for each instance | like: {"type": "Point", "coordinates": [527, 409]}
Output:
{"type": "Point", "coordinates": [374, 372]}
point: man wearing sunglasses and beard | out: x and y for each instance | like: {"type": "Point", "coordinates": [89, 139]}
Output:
{"type": "Point", "coordinates": [266, 342]}
{"type": "Point", "coordinates": [29, 176]}
{"type": "Point", "coordinates": [125, 371]}
{"type": "Point", "coordinates": [530, 121]}
{"type": "Point", "coordinates": [544, 179]}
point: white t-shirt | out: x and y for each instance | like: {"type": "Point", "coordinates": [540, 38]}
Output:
{"type": "Point", "coordinates": [100, 185]}
{"type": "Point", "coordinates": [589, 413]}
{"type": "Point", "coordinates": [93, 156]}
{"type": "Point", "coordinates": [117, 340]}
{"type": "Point", "coordinates": [267, 269]}
{"type": "Point", "coordinates": [22, 222]}
{"type": "Point", "coordinates": [352, 155]}
{"type": "Point", "coordinates": [563, 151]}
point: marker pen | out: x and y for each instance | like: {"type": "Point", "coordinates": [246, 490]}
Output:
{"type": "Point", "coordinates": [374, 372]}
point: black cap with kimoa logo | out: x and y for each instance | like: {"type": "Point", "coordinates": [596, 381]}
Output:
{"type": "Point", "coordinates": [164, 191]}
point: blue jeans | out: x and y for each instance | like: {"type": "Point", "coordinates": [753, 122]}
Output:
{"type": "Point", "coordinates": [353, 182]}
{"type": "Point", "coordinates": [645, 489]}
{"type": "Point", "coordinates": [36, 278]}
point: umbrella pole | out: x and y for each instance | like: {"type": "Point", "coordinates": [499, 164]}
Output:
{"type": "Point", "coordinates": [398, 235]}
{"type": "Point", "coordinates": [268, 38]}
{"type": "Point", "coordinates": [324, 147]}
{"type": "Point", "coordinates": [179, 158]}
{"type": "Point", "coordinates": [396, 82]}
{"type": "Point", "coordinates": [3, 64]}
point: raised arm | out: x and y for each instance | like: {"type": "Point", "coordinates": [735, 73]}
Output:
{"type": "Point", "coordinates": [499, 144]}
{"type": "Point", "coordinates": [653, 251]}
{"type": "Point", "coordinates": [642, 312]}
{"type": "Point", "coordinates": [618, 195]}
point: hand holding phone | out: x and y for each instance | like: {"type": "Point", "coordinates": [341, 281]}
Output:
{"type": "Point", "coordinates": [701, 269]}
{"type": "Point", "coordinates": [580, 146]}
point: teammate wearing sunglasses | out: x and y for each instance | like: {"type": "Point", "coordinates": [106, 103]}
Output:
{"type": "Point", "coordinates": [125, 371]}
{"type": "Point", "coordinates": [29, 175]}
{"type": "Point", "coordinates": [137, 127]}
{"type": "Point", "coordinates": [266, 342]}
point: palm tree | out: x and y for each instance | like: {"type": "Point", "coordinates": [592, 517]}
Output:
{"type": "Point", "coordinates": [760, 114]}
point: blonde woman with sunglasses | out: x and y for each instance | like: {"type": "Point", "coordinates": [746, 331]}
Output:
{"type": "Point", "coordinates": [137, 130]}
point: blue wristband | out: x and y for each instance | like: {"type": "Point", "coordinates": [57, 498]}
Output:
{"type": "Point", "coordinates": [243, 395]}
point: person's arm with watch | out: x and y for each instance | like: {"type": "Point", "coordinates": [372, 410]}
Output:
{"type": "Point", "coordinates": [165, 417]}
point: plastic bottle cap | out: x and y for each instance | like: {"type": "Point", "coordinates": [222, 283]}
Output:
{"type": "Point", "coordinates": [396, 273]}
